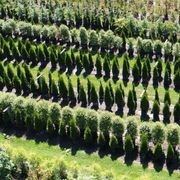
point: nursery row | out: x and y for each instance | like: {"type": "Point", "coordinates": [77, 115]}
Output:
{"type": "Point", "coordinates": [79, 123]}
{"type": "Point", "coordinates": [69, 60]}
{"type": "Point", "coordinates": [22, 79]}
{"type": "Point", "coordinates": [18, 164]}
{"type": "Point", "coordinates": [91, 17]}
{"type": "Point", "coordinates": [104, 40]}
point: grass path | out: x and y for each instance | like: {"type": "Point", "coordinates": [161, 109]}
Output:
{"type": "Point", "coordinates": [117, 167]}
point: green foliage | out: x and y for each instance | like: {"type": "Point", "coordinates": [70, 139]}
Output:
{"type": "Point", "coordinates": [176, 113]}
{"type": "Point", "coordinates": [144, 104]}
{"type": "Point", "coordinates": [145, 130]}
{"type": "Point", "coordinates": [128, 146]}
{"type": "Point", "coordinates": [131, 103]}
{"type": "Point", "coordinates": [74, 130]}
{"type": "Point", "coordinates": [132, 128]}
{"type": "Point", "coordinates": [67, 115]}
{"type": "Point", "coordinates": [173, 134]}
{"type": "Point", "coordinates": [144, 148]}
{"type": "Point", "coordinates": [113, 143]}
{"type": "Point", "coordinates": [166, 113]}
{"type": "Point", "coordinates": [105, 123]}
{"type": "Point", "coordinates": [101, 140]}
{"type": "Point", "coordinates": [117, 127]}
{"type": "Point", "coordinates": [88, 136]}
{"type": "Point", "coordinates": [80, 116]}
{"type": "Point", "coordinates": [60, 171]}
{"type": "Point", "coordinates": [92, 121]}
{"type": "Point", "coordinates": [158, 133]}
{"type": "Point", "coordinates": [170, 159]}
{"type": "Point", "coordinates": [158, 155]}
{"type": "Point", "coordinates": [6, 165]}
{"type": "Point", "coordinates": [155, 110]}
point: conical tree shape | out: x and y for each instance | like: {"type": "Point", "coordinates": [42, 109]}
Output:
{"type": "Point", "coordinates": [159, 68]}
{"type": "Point", "coordinates": [94, 96]}
{"type": "Point", "coordinates": [144, 104]}
{"type": "Point", "coordinates": [28, 72]}
{"type": "Point", "coordinates": [71, 94]}
{"type": "Point", "coordinates": [157, 96]}
{"type": "Point", "coordinates": [54, 89]}
{"type": "Point", "coordinates": [119, 100]}
{"type": "Point", "coordinates": [167, 79]}
{"type": "Point", "coordinates": [106, 67]}
{"type": "Point", "coordinates": [131, 103]}
{"type": "Point", "coordinates": [10, 72]}
{"type": "Point", "coordinates": [155, 111]}
{"type": "Point", "coordinates": [63, 91]}
{"type": "Point", "coordinates": [135, 96]}
{"type": "Point", "coordinates": [166, 113]}
{"type": "Point", "coordinates": [115, 68]}
{"type": "Point", "coordinates": [79, 63]}
{"type": "Point", "coordinates": [33, 56]}
{"type": "Point", "coordinates": [108, 98]}
{"type": "Point", "coordinates": [33, 86]}
{"type": "Point", "coordinates": [145, 74]}
{"type": "Point", "coordinates": [136, 74]}
{"type": "Point", "coordinates": [86, 63]}
{"type": "Point", "coordinates": [167, 98]}
{"type": "Point", "coordinates": [82, 96]}
{"type": "Point", "coordinates": [125, 71]}
{"type": "Point", "coordinates": [78, 88]}
{"type": "Point", "coordinates": [69, 63]}
{"type": "Point", "coordinates": [101, 93]}
{"type": "Point", "coordinates": [17, 84]}
{"type": "Point", "coordinates": [44, 86]}
{"type": "Point", "coordinates": [98, 65]}
{"type": "Point", "coordinates": [53, 59]}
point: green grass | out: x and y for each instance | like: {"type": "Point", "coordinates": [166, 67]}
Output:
{"type": "Point", "coordinates": [117, 167]}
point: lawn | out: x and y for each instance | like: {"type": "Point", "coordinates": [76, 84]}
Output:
{"type": "Point", "coordinates": [117, 167]}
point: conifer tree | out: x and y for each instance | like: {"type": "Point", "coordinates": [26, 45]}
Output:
{"type": "Point", "coordinates": [32, 55]}
{"type": "Point", "coordinates": [131, 103]}
{"type": "Point", "coordinates": [155, 111]}
{"type": "Point", "coordinates": [33, 86]}
{"type": "Point", "coordinates": [63, 91]}
{"type": "Point", "coordinates": [82, 96]}
{"type": "Point", "coordinates": [98, 66]}
{"type": "Point", "coordinates": [115, 68]}
{"type": "Point", "coordinates": [125, 70]}
{"type": "Point", "coordinates": [78, 88]}
{"type": "Point", "coordinates": [53, 59]}
{"type": "Point", "coordinates": [167, 79]}
{"type": "Point", "coordinates": [86, 63]}
{"type": "Point", "coordinates": [69, 63]}
{"type": "Point", "coordinates": [44, 87]}
{"type": "Point", "coordinates": [136, 74]}
{"type": "Point", "coordinates": [79, 63]}
{"type": "Point", "coordinates": [10, 72]}
{"type": "Point", "coordinates": [17, 84]}
{"type": "Point", "coordinates": [167, 98]}
{"type": "Point", "coordinates": [119, 100]}
{"type": "Point", "coordinates": [54, 89]}
{"type": "Point", "coordinates": [145, 74]}
{"type": "Point", "coordinates": [159, 68]}
{"type": "Point", "coordinates": [108, 98]}
{"type": "Point", "coordinates": [101, 93]}
{"type": "Point", "coordinates": [166, 113]}
{"type": "Point", "coordinates": [71, 94]}
{"type": "Point", "coordinates": [157, 96]}
{"type": "Point", "coordinates": [144, 104]}
{"type": "Point", "coordinates": [28, 72]}
{"type": "Point", "coordinates": [94, 96]}
{"type": "Point", "coordinates": [106, 67]}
